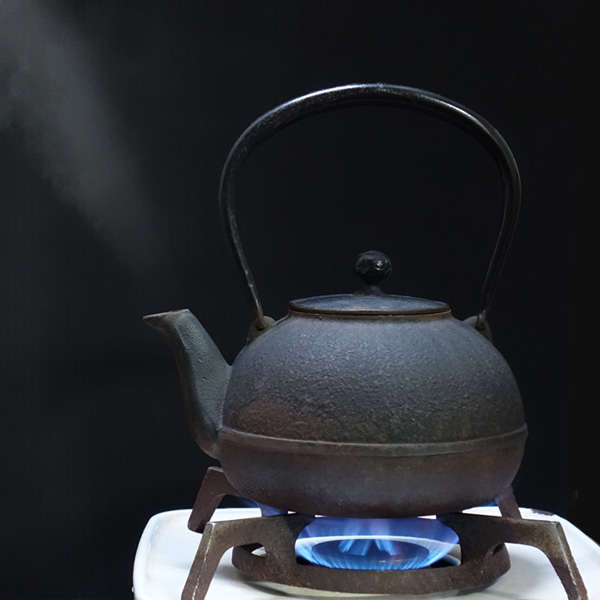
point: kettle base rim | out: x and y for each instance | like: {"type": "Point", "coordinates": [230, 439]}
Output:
{"type": "Point", "coordinates": [361, 485]}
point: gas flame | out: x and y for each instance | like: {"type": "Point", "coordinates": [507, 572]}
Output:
{"type": "Point", "coordinates": [375, 544]}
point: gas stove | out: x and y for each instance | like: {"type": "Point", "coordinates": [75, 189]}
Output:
{"type": "Point", "coordinates": [168, 551]}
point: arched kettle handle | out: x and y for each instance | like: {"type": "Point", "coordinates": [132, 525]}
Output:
{"type": "Point", "coordinates": [378, 94]}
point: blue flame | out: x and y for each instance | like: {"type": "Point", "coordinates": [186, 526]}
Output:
{"type": "Point", "coordinates": [375, 544]}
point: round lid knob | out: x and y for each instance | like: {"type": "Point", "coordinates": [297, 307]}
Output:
{"type": "Point", "coordinates": [372, 267]}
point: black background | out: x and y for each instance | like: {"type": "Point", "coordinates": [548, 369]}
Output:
{"type": "Point", "coordinates": [115, 120]}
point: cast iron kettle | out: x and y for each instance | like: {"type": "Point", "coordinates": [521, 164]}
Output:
{"type": "Point", "coordinates": [362, 404]}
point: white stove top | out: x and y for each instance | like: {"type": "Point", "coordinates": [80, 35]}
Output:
{"type": "Point", "coordinates": [167, 548]}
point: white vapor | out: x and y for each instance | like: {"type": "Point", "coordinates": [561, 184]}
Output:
{"type": "Point", "coordinates": [48, 87]}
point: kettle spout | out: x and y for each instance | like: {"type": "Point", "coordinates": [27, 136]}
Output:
{"type": "Point", "coordinates": [203, 372]}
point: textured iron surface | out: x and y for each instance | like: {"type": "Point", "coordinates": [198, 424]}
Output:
{"type": "Point", "coordinates": [371, 416]}
{"type": "Point", "coordinates": [378, 380]}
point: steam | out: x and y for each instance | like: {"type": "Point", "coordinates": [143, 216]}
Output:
{"type": "Point", "coordinates": [52, 93]}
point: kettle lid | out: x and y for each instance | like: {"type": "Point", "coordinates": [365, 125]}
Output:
{"type": "Point", "coordinates": [361, 304]}
{"type": "Point", "coordinates": [372, 267]}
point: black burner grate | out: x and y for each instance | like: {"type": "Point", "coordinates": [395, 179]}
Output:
{"type": "Point", "coordinates": [483, 539]}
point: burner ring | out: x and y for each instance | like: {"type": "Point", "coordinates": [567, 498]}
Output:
{"type": "Point", "coordinates": [375, 544]}
{"type": "Point", "coordinates": [484, 558]}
